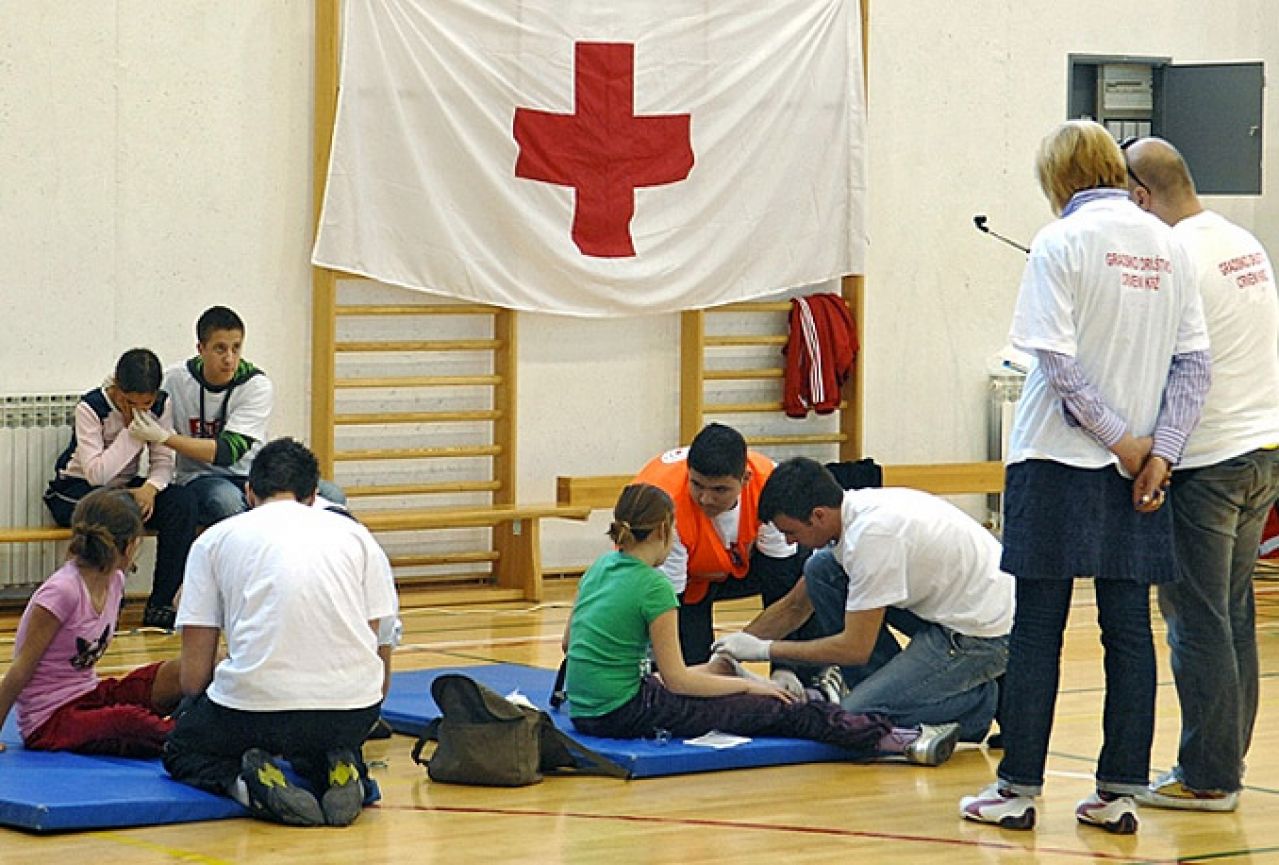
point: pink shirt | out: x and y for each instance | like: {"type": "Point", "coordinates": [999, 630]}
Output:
{"type": "Point", "coordinates": [66, 670]}
{"type": "Point", "coordinates": [106, 455]}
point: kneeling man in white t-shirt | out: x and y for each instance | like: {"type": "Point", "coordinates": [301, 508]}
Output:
{"type": "Point", "coordinates": [897, 549]}
{"type": "Point", "coordinates": [298, 593]}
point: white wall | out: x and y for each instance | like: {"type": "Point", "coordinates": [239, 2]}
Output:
{"type": "Point", "coordinates": [155, 158]}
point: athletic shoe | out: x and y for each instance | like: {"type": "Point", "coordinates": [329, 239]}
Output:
{"type": "Point", "coordinates": [272, 796]}
{"type": "Point", "coordinates": [1169, 791]}
{"type": "Point", "coordinates": [999, 807]}
{"type": "Point", "coordinates": [829, 682]}
{"type": "Point", "coordinates": [344, 798]}
{"type": "Point", "coordinates": [1110, 811]}
{"type": "Point", "coordinates": [159, 617]}
{"type": "Point", "coordinates": [934, 745]}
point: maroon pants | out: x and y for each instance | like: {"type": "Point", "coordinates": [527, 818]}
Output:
{"type": "Point", "coordinates": [655, 709]}
{"type": "Point", "coordinates": [114, 718]}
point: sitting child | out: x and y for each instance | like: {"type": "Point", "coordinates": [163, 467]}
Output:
{"type": "Point", "coordinates": [624, 604]}
{"type": "Point", "coordinates": [104, 453]}
{"type": "Point", "coordinates": [66, 628]}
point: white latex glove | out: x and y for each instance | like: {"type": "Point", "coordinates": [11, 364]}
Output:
{"type": "Point", "coordinates": [789, 682]}
{"type": "Point", "coordinates": [743, 646]}
{"type": "Point", "coordinates": [148, 429]}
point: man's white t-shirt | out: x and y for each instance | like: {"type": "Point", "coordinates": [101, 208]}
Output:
{"type": "Point", "coordinates": [293, 589]}
{"type": "Point", "coordinates": [905, 548]}
{"type": "Point", "coordinates": [1111, 287]}
{"type": "Point", "coordinates": [247, 414]}
{"type": "Point", "coordinates": [1241, 306]}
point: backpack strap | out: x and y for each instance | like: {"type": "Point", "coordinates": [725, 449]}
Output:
{"type": "Point", "coordinates": [588, 761]}
{"type": "Point", "coordinates": [558, 694]}
{"type": "Point", "coordinates": [430, 733]}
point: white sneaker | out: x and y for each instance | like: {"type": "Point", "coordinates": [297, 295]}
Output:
{"type": "Point", "coordinates": [934, 744]}
{"type": "Point", "coordinates": [999, 807]}
{"type": "Point", "coordinates": [1169, 791]}
{"type": "Point", "coordinates": [1117, 815]}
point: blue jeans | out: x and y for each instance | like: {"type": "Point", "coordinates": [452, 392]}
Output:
{"type": "Point", "coordinates": [1219, 512]}
{"type": "Point", "coordinates": [939, 677]}
{"type": "Point", "coordinates": [1034, 672]}
{"type": "Point", "coordinates": [220, 496]}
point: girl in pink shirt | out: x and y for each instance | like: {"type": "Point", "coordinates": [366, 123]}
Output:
{"type": "Point", "coordinates": [66, 627]}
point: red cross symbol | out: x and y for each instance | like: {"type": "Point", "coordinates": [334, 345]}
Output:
{"type": "Point", "coordinates": [603, 150]}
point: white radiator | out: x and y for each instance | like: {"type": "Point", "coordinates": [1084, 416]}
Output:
{"type": "Point", "coordinates": [34, 428]}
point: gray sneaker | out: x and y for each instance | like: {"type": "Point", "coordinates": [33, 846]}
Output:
{"type": "Point", "coordinates": [344, 798]}
{"type": "Point", "coordinates": [934, 745]}
{"type": "Point", "coordinates": [273, 797]}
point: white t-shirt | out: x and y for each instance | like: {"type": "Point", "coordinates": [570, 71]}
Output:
{"type": "Point", "coordinates": [906, 548]}
{"type": "Point", "coordinates": [1241, 306]}
{"type": "Point", "coordinates": [769, 540]}
{"type": "Point", "coordinates": [293, 590]}
{"type": "Point", "coordinates": [1109, 286]}
{"type": "Point", "coordinates": [248, 413]}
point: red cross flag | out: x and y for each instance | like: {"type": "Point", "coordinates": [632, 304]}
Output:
{"type": "Point", "coordinates": [598, 157]}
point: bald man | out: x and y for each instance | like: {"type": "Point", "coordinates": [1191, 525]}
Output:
{"type": "Point", "coordinates": [1221, 491]}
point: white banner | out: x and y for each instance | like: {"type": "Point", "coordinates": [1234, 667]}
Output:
{"type": "Point", "coordinates": [598, 157]}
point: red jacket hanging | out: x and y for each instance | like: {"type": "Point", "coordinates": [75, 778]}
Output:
{"type": "Point", "coordinates": [819, 354]}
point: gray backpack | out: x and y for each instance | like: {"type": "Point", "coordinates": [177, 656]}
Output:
{"type": "Point", "coordinates": [486, 739]}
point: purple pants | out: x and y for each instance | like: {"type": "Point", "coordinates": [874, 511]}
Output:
{"type": "Point", "coordinates": [655, 708]}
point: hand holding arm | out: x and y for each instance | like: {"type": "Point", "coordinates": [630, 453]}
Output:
{"type": "Point", "coordinates": [1132, 452]}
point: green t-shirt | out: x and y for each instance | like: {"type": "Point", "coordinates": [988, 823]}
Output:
{"type": "Point", "coordinates": [608, 636]}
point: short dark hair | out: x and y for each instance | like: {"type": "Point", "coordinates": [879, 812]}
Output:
{"type": "Point", "coordinates": [217, 318]}
{"type": "Point", "coordinates": [796, 487]}
{"type": "Point", "coordinates": [284, 465]}
{"type": "Point", "coordinates": [138, 371]}
{"type": "Point", "coordinates": [718, 451]}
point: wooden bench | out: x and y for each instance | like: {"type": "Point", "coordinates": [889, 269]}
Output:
{"type": "Point", "coordinates": [33, 534]}
{"type": "Point", "coordinates": [601, 491]}
{"type": "Point", "coordinates": [516, 542]}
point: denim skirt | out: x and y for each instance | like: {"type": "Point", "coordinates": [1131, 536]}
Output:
{"type": "Point", "coordinates": [1062, 522]}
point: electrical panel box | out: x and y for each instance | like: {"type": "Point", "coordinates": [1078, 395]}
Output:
{"type": "Point", "coordinates": [1211, 112]}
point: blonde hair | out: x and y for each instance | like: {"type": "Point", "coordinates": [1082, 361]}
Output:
{"type": "Point", "coordinates": [103, 525]}
{"type": "Point", "coordinates": [1078, 155]}
{"type": "Point", "coordinates": [640, 509]}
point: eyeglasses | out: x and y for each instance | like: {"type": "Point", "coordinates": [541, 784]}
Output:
{"type": "Point", "coordinates": [1123, 147]}
{"type": "Point", "coordinates": [735, 554]}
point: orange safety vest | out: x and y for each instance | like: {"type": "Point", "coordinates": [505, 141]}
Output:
{"type": "Point", "coordinates": [709, 561]}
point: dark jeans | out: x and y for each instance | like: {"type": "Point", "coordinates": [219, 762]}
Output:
{"type": "Point", "coordinates": [173, 520]}
{"type": "Point", "coordinates": [1219, 512]}
{"type": "Point", "coordinates": [767, 577]}
{"type": "Point", "coordinates": [655, 709]}
{"type": "Point", "coordinates": [208, 740]}
{"type": "Point", "coordinates": [941, 676]}
{"type": "Point", "coordinates": [1034, 673]}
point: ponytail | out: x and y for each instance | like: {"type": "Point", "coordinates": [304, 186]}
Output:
{"type": "Point", "coordinates": [103, 525]}
{"type": "Point", "coordinates": [640, 509]}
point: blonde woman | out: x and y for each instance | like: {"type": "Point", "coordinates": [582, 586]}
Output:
{"type": "Point", "coordinates": [1109, 308]}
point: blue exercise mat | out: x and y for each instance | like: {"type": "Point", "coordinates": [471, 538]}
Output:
{"type": "Point", "coordinates": [51, 791]}
{"type": "Point", "coordinates": [409, 707]}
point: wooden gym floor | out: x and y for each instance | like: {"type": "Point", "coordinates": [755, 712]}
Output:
{"type": "Point", "coordinates": [793, 814]}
